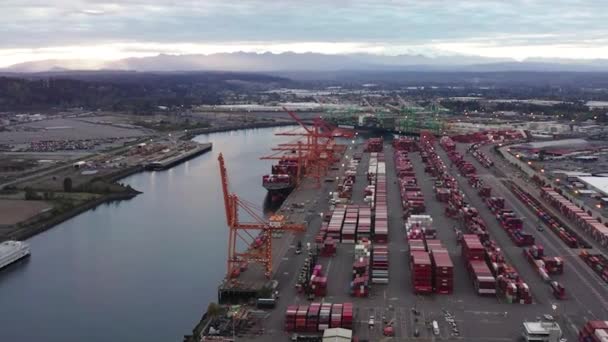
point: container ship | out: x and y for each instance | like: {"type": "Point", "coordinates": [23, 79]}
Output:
{"type": "Point", "coordinates": [281, 181]}
{"type": "Point", "coordinates": [11, 251]}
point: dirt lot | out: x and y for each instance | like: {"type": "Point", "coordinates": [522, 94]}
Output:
{"type": "Point", "coordinates": [65, 129]}
{"type": "Point", "coordinates": [15, 211]}
{"type": "Point", "coordinates": [54, 181]}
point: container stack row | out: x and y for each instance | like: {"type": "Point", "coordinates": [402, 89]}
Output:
{"type": "Point", "coordinates": [481, 157]}
{"type": "Point", "coordinates": [483, 257]}
{"type": "Point", "coordinates": [346, 224]}
{"type": "Point", "coordinates": [592, 226]}
{"type": "Point", "coordinates": [349, 228]}
{"type": "Point", "coordinates": [594, 331]}
{"type": "Point", "coordinates": [374, 145]}
{"type": "Point", "coordinates": [508, 281]}
{"type": "Point", "coordinates": [411, 197]}
{"type": "Point", "coordinates": [473, 255]}
{"type": "Point", "coordinates": [334, 227]}
{"type": "Point", "coordinates": [546, 266]}
{"type": "Point", "coordinates": [421, 268]}
{"type": "Point", "coordinates": [598, 262]}
{"type": "Point", "coordinates": [345, 187]}
{"type": "Point", "coordinates": [359, 286]}
{"type": "Point", "coordinates": [422, 238]}
{"type": "Point", "coordinates": [329, 247]}
{"type": "Point", "coordinates": [317, 317]}
{"type": "Point", "coordinates": [364, 226]}
{"type": "Point", "coordinates": [569, 237]}
{"type": "Point", "coordinates": [380, 264]}
{"type": "Point", "coordinates": [318, 283]}
{"type": "Point", "coordinates": [380, 201]}
{"type": "Point", "coordinates": [491, 135]}
{"type": "Point", "coordinates": [510, 222]}
{"type": "Point", "coordinates": [443, 268]}
{"type": "Point", "coordinates": [419, 227]}
{"type": "Point", "coordinates": [405, 144]}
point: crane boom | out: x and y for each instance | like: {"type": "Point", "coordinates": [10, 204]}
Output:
{"type": "Point", "coordinates": [258, 248]}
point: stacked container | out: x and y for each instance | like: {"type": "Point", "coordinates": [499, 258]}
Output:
{"type": "Point", "coordinates": [290, 318]}
{"type": "Point", "coordinates": [405, 144]}
{"type": "Point", "coordinates": [336, 316]}
{"type": "Point", "coordinates": [598, 262]}
{"type": "Point", "coordinates": [416, 244]}
{"type": "Point", "coordinates": [483, 280]}
{"type": "Point", "coordinates": [411, 197]}
{"type": "Point", "coordinates": [312, 317]}
{"type": "Point", "coordinates": [485, 262]}
{"type": "Point", "coordinates": [329, 247]}
{"type": "Point", "coordinates": [364, 226]}
{"type": "Point", "coordinates": [347, 316]}
{"type": "Point", "coordinates": [349, 228]}
{"type": "Point", "coordinates": [422, 223]}
{"type": "Point", "coordinates": [374, 145]}
{"type": "Point", "coordinates": [301, 318]}
{"type": "Point", "coordinates": [594, 331]}
{"type": "Point", "coordinates": [443, 270]}
{"type": "Point", "coordinates": [359, 286]}
{"type": "Point", "coordinates": [334, 227]}
{"type": "Point", "coordinates": [565, 233]}
{"type": "Point", "coordinates": [422, 274]}
{"type": "Point", "coordinates": [318, 316]}
{"type": "Point", "coordinates": [324, 316]}
{"type": "Point", "coordinates": [447, 143]}
{"type": "Point", "coordinates": [318, 283]}
{"type": "Point", "coordinates": [472, 249]}
{"type": "Point", "coordinates": [473, 253]}
{"type": "Point", "coordinates": [380, 264]}
{"type": "Point", "coordinates": [595, 229]}
{"type": "Point", "coordinates": [381, 208]}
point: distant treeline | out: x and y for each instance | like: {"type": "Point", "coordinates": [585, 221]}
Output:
{"type": "Point", "coordinates": [130, 91]}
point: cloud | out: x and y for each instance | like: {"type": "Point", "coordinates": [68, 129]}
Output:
{"type": "Point", "coordinates": [380, 25]}
{"type": "Point", "coordinates": [92, 12]}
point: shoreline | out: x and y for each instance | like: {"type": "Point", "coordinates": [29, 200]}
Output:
{"type": "Point", "coordinates": [198, 131]}
{"type": "Point", "coordinates": [37, 228]}
{"type": "Point", "coordinates": [23, 233]}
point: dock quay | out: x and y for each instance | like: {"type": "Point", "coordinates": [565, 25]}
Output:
{"type": "Point", "coordinates": [462, 314]}
{"type": "Point", "coordinates": [175, 159]}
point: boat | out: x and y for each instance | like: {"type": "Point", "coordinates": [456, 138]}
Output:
{"type": "Point", "coordinates": [11, 251]}
{"type": "Point", "coordinates": [282, 179]}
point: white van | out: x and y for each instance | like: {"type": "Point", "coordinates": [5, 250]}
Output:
{"type": "Point", "coordinates": [435, 328]}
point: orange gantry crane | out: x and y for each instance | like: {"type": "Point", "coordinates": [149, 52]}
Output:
{"type": "Point", "coordinates": [256, 236]}
{"type": "Point", "coordinates": [314, 150]}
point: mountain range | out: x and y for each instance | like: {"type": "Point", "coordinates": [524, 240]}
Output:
{"type": "Point", "coordinates": [316, 62]}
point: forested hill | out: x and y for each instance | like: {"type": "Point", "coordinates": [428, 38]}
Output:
{"type": "Point", "coordinates": [126, 90]}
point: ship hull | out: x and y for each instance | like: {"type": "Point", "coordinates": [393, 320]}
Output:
{"type": "Point", "coordinates": [11, 253]}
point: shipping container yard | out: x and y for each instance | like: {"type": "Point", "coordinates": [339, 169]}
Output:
{"type": "Point", "coordinates": [420, 239]}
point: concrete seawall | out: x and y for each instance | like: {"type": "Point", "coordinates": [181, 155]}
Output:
{"type": "Point", "coordinates": [174, 160]}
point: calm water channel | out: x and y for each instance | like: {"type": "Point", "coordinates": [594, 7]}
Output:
{"type": "Point", "coordinates": [138, 270]}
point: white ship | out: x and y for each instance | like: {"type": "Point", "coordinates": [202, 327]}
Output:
{"type": "Point", "coordinates": [11, 251]}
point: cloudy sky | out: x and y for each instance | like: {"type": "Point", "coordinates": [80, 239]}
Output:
{"type": "Point", "coordinates": [95, 30]}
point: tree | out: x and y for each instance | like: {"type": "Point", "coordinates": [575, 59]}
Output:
{"type": "Point", "coordinates": [30, 194]}
{"type": "Point", "coordinates": [67, 184]}
{"type": "Point", "coordinates": [214, 310]}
